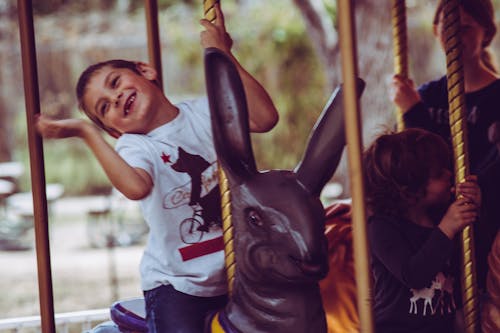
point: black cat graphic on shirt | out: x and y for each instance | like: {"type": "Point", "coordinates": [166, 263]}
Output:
{"type": "Point", "coordinates": [194, 165]}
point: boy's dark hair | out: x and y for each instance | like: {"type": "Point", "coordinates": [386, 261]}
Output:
{"type": "Point", "coordinates": [398, 166]}
{"type": "Point", "coordinates": [84, 79]}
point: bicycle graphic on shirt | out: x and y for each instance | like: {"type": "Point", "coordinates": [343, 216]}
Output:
{"type": "Point", "coordinates": [193, 228]}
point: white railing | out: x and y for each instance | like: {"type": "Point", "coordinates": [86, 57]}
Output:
{"type": "Point", "coordinates": [62, 320]}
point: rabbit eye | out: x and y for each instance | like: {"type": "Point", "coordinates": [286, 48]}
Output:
{"type": "Point", "coordinates": [254, 218]}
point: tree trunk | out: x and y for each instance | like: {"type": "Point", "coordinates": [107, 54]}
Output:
{"type": "Point", "coordinates": [374, 49]}
{"type": "Point", "coordinates": [5, 124]}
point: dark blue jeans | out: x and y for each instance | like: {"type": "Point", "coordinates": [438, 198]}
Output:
{"type": "Point", "coordinates": [170, 311]}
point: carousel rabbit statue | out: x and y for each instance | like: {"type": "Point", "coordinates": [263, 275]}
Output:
{"type": "Point", "coordinates": [280, 249]}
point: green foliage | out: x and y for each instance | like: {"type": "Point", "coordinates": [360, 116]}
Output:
{"type": "Point", "coordinates": [76, 168]}
{"type": "Point", "coordinates": [272, 44]}
{"type": "Point", "coordinates": [275, 48]}
{"type": "Point", "coordinates": [136, 5]}
{"type": "Point", "coordinates": [48, 7]}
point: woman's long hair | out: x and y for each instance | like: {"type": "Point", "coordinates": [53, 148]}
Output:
{"type": "Point", "coordinates": [483, 13]}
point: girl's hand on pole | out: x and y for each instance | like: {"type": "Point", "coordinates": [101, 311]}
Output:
{"type": "Point", "coordinates": [470, 190]}
{"type": "Point", "coordinates": [215, 34]}
{"type": "Point", "coordinates": [460, 214]}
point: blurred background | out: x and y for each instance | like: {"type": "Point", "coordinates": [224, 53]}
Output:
{"type": "Point", "coordinates": [290, 46]}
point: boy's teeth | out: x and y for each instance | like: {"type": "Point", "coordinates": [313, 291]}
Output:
{"type": "Point", "coordinates": [129, 102]}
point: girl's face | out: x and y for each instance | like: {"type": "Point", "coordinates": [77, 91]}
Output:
{"type": "Point", "coordinates": [438, 190]}
{"type": "Point", "coordinates": [122, 99]}
{"type": "Point", "coordinates": [472, 35]}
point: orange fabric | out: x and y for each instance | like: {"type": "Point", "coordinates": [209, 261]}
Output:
{"type": "Point", "coordinates": [338, 289]}
{"type": "Point", "coordinates": [490, 314]}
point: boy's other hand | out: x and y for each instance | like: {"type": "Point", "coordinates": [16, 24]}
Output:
{"type": "Point", "coordinates": [51, 128]}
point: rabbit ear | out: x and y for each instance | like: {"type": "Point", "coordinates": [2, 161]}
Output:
{"type": "Point", "coordinates": [229, 115]}
{"type": "Point", "coordinates": [326, 143]}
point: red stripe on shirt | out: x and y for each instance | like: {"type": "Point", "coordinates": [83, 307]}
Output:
{"type": "Point", "coordinates": [202, 248]}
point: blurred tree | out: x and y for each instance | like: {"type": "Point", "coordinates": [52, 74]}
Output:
{"type": "Point", "coordinates": [5, 147]}
{"type": "Point", "coordinates": [48, 7]}
{"type": "Point", "coordinates": [373, 40]}
{"type": "Point", "coordinates": [7, 15]}
{"type": "Point", "coordinates": [291, 46]}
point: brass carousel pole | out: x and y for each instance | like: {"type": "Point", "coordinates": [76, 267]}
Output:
{"type": "Point", "coordinates": [227, 225]}
{"type": "Point", "coordinates": [400, 47]}
{"type": "Point", "coordinates": [458, 127]}
{"type": "Point", "coordinates": [154, 45]}
{"type": "Point", "coordinates": [209, 10]}
{"type": "Point", "coordinates": [32, 100]}
{"type": "Point", "coordinates": [354, 150]}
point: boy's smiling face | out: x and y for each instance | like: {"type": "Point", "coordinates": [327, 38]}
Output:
{"type": "Point", "coordinates": [124, 100]}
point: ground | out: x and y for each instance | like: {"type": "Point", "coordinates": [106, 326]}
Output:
{"type": "Point", "coordinates": [81, 275]}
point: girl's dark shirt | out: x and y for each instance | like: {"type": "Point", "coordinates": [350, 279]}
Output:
{"type": "Point", "coordinates": [415, 275]}
{"type": "Point", "coordinates": [483, 109]}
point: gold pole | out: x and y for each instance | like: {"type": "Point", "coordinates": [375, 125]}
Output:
{"type": "Point", "coordinates": [458, 127]}
{"type": "Point", "coordinates": [209, 10]}
{"type": "Point", "coordinates": [400, 48]}
{"type": "Point", "coordinates": [227, 225]}
{"type": "Point", "coordinates": [354, 150]}
{"type": "Point", "coordinates": [154, 45]}
{"type": "Point", "coordinates": [32, 100]}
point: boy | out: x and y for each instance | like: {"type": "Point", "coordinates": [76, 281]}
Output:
{"type": "Point", "coordinates": [164, 157]}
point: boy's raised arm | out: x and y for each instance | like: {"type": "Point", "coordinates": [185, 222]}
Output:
{"type": "Point", "coordinates": [134, 183]}
{"type": "Point", "coordinates": [262, 112]}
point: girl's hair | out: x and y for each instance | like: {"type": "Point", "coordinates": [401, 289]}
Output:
{"type": "Point", "coordinates": [84, 80]}
{"type": "Point", "coordinates": [398, 166]}
{"type": "Point", "coordinates": [483, 13]}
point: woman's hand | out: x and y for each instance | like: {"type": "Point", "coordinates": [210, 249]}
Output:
{"type": "Point", "coordinates": [402, 92]}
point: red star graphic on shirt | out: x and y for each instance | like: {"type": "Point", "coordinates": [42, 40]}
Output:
{"type": "Point", "coordinates": [165, 158]}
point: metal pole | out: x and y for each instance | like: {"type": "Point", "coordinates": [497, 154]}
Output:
{"type": "Point", "coordinates": [227, 223]}
{"type": "Point", "coordinates": [400, 47]}
{"type": "Point", "coordinates": [154, 45]}
{"type": "Point", "coordinates": [458, 128]}
{"type": "Point", "coordinates": [32, 100]}
{"type": "Point", "coordinates": [209, 10]}
{"type": "Point", "coordinates": [354, 150]}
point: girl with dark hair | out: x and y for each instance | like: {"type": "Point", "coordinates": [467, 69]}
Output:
{"type": "Point", "coordinates": [427, 108]}
{"type": "Point", "coordinates": [412, 226]}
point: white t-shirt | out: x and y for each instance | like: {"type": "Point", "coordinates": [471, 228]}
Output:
{"type": "Point", "coordinates": [177, 156]}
